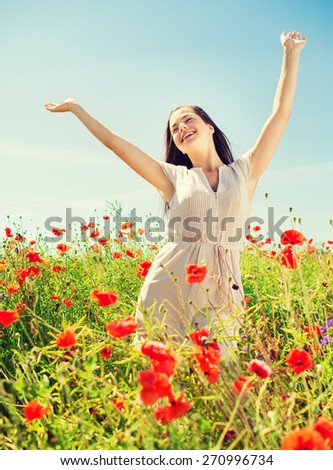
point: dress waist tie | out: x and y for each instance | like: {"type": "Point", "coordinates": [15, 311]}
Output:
{"type": "Point", "coordinates": [220, 263]}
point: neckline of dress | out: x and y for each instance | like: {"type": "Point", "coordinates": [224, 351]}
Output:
{"type": "Point", "coordinates": [206, 179]}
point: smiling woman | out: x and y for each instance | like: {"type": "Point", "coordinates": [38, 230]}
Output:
{"type": "Point", "coordinates": [195, 280]}
{"type": "Point", "coordinates": [188, 124]}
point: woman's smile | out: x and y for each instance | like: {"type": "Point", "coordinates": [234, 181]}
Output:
{"type": "Point", "coordinates": [188, 135]}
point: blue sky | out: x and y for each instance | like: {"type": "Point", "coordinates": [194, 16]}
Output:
{"type": "Point", "coordinates": [129, 63]}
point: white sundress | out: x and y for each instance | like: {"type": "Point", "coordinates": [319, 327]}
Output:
{"type": "Point", "coordinates": [174, 306]}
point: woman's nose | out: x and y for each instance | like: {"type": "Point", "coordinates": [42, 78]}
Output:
{"type": "Point", "coordinates": [182, 125]}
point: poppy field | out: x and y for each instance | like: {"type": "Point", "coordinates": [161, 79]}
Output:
{"type": "Point", "coordinates": [73, 377]}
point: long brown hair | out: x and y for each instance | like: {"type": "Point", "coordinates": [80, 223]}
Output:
{"type": "Point", "coordinates": [176, 157]}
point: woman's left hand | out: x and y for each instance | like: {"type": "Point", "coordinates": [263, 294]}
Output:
{"type": "Point", "coordinates": [292, 41]}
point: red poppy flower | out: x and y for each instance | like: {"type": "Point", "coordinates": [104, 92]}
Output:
{"type": "Point", "coordinates": [20, 238]}
{"type": "Point", "coordinates": [63, 248]}
{"type": "Point", "coordinates": [256, 228]}
{"type": "Point", "coordinates": [155, 385]}
{"type": "Point", "coordinates": [7, 317]}
{"type": "Point", "coordinates": [117, 255]}
{"type": "Point", "coordinates": [325, 427]}
{"type": "Point", "coordinates": [155, 350]}
{"type": "Point", "coordinates": [8, 232]}
{"type": "Point", "coordinates": [240, 383]}
{"type": "Point", "coordinates": [168, 366]}
{"type": "Point", "coordinates": [178, 408]}
{"type": "Point", "coordinates": [33, 257]}
{"type": "Point", "coordinates": [149, 396]}
{"type": "Point", "coordinates": [124, 327]}
{"type": "Point", "coordinates": [12, 288]}
{"type": "Point", "coordinates": [58, 269]}
{"type": "Point", "coordinates": [106, 217]}
{"type": "Point", "coordinates": [312, 331]}
{"type": "Point", "coordinates": [68, 303]}
{"type": "Point", "coordinates": [58, 231]}
{"type": "Point", "coordinates": [21, 274]}
{"type": "Point", "coordinates": [208, 357]}
{"type": "Point", "coordinates": [299, 361]}
{"type": "Point", "coordinates": [103, 298]}
{"type": "Point", "coordinates": [195, 273]}
{"type": "Point", "coordinates": [162, 358]}
{"type": "Point", "coordinates": [95, 248]}
{"type": "Point", "coordinates": [33, 271]}
{"type": "Point", "coordinates": [129, 253]}
{"type": "Point", "coordinates": [303, 439]}
{"type": "Point", "coordinates": [95, 233]}
{"type": "Point", "coordinates": [103, 241]}
{"type": "Point", "coordinates": [212, 374]}
{"type": "Point", "coordinates": [289, 259]}
{"type": "Point", "coordinates": [144, 268]}
{"type": "Point", "coordinates": [106, 352]}
{"type": "Point", "coordinates": [260, 368]}
{"type": "Point", "coordinates": [198, 336]}
{"type": "Point", "coordinates": [54, 297]}
{"type": "Point", "coordinates": [209, 352]}
{"type": "Point", "coordinates": [66, 338]}
{"type": "Point", "coordinates": [34, 410]}
{"type": "Point", "coordinates": [126, 225]}
{"type": "Point", "coordinates": [292, 237]}
{"type": "Point", "coordinates": [119, 404]}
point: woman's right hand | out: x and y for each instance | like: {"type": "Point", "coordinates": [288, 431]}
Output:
{"type": "Point", "coordinates": [62, 107]}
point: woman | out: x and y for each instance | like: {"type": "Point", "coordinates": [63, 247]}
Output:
{"type": "Point", "coordinates": [207, 197]}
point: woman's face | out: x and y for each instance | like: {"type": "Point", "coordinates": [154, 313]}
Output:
{"type": "Point", "coordinates": [188, 129]}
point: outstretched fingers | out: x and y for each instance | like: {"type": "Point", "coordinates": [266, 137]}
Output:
{"type": "Point", "coordinates": [49, 106]}
{"type": "Point", "coordinates": [294, 35]}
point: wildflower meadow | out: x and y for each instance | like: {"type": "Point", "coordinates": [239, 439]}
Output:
{"type": "Point", "coordinates": [74, 375]}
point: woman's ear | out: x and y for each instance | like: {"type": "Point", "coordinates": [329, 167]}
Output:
{"type": "Point", "coordinates": [211, 128]}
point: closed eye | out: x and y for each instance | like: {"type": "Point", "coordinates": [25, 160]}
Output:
{"type": "Point", "coordinates": [175, 130]}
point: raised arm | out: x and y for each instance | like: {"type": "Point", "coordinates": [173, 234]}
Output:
{"type": "Point", "coordinates": [264, 148]}
{"type": "Point", "coordinates": [140, 162]}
